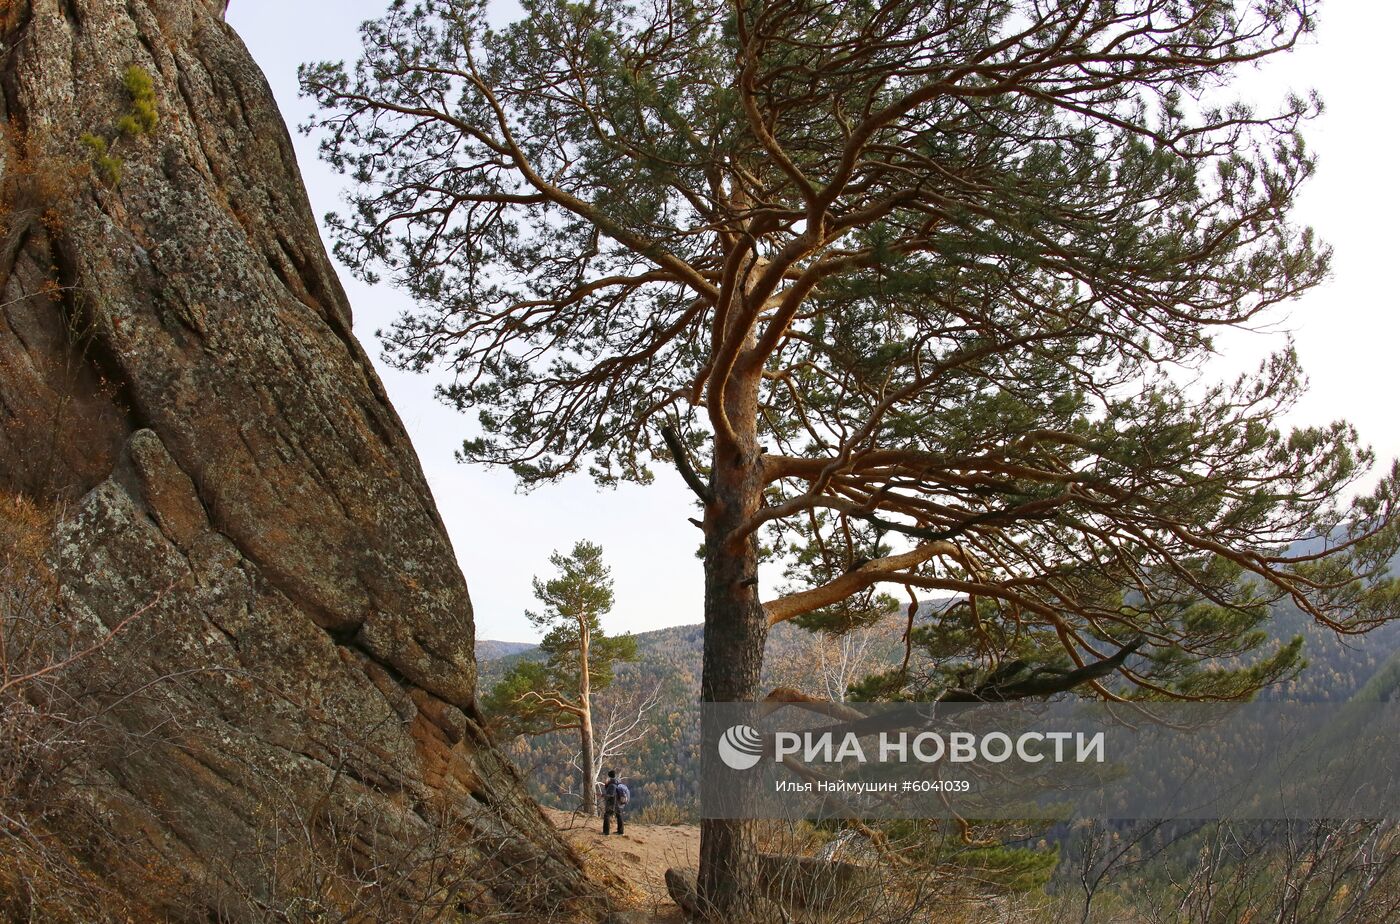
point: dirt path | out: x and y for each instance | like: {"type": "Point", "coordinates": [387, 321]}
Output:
{"type": "Point", "coordinates": [639, 858]}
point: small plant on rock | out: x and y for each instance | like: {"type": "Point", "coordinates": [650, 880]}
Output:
{"type": "Point", "coordinates": [141, 119]}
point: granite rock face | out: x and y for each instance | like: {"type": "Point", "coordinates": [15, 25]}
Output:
{"type": "Point", "coordinates": [177, 371]}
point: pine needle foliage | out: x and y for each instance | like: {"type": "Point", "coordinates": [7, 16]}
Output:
{"type": "Point", "coordinates": [923, 278]}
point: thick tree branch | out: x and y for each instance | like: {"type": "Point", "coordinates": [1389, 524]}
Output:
{"type": "Point", "coordinates": [552, 699]}
{"type": "Point", "coordinates": [682, 461]}
{"type": "Point", "coordinates": [1042, 681]}
{"type": "Point", "coordinates": [854, 581]}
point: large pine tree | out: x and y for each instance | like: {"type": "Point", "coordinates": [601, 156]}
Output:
{"type": "Point", "coordinates": [912, 293]}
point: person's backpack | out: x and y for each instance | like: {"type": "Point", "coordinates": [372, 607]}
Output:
{"type": "Point", "coordinates": [616, 794]}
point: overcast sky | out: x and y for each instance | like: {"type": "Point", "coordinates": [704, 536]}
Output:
{"type": "Point", "coordinates": [1346, 330]}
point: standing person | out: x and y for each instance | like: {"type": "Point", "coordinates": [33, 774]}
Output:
{"type": "Point", "coordinates": [616, 795]}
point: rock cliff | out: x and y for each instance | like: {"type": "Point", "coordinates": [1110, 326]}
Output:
{"type": "Point", "coordinates": [178, 376]}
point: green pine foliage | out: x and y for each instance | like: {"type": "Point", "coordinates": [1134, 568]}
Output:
{"type": "Point", "coordinates": [525, 701]}
{"type": "Point", "coordinates": [109, 168]}
{"type": "Point", "coordinates": [140, 119]}
{"type": "Point", "coordinates": [143, 117]}
{"type": "Point", "coordinates": [964, 305]}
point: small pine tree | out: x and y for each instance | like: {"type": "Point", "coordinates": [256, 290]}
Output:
{"type": "Point", "coordinates": [141, 119]}
{"type": "Point", "coordinates": [107, 166]}
{"type": "Point", "coordinates": [536, 697]}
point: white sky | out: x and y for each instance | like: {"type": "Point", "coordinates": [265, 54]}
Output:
{"type": "Point", "coordinates": [1347, 331]}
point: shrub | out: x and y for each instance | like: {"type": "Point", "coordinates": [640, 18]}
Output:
{"type": "Point", "coordinates": [109, 168]}
{"type": "Point", "coordinates": [140, 119]}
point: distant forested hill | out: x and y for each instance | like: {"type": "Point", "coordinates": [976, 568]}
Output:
{"type": "Point", "coordinates": [1338, 665]}
{"type": "Point", "coordinates": [491, 650]}
{"type": "Point", "coordinates": [662, 765]}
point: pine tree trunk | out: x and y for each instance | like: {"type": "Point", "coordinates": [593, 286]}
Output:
{"type": "Point", "coordinates": [735, 631]}
{"type": "Point", "coordinates": [585, 698]}
{"type": "Point", "coordinates": [590, 798]}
